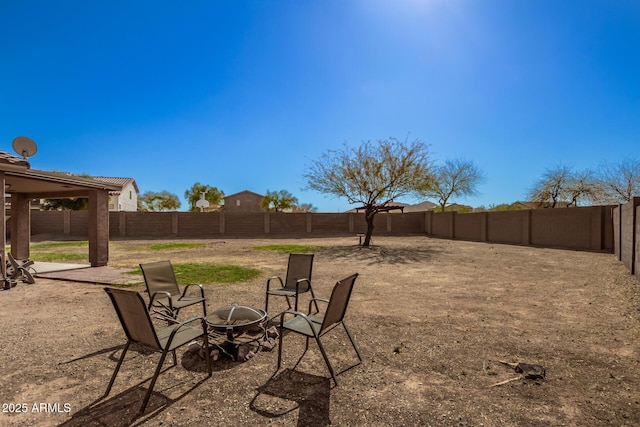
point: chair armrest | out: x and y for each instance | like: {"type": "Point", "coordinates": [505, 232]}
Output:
{"type": "Point", "coordinates": [274, 278]}
{"type": "Point", "coordinates": [296, 314]}
{"type": "Point", "coordinates": [298, 289]}
{"type": "Point", "coordinates": [163, 294]}
{"type": "Point", "coordinates": [183, 324]}
{"type": "Point", "coordinates": [301, 281]}
{"type": "Point", "coordinates": [184, 291]}
{"type": "Point", "coordinates": [312, 300]}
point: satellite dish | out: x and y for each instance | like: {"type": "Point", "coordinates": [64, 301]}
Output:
{"type": "Point", "coordinates": [24, 146]}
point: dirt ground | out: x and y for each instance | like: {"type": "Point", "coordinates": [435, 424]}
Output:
{"type": "Point", "coordinates": [432, 318]}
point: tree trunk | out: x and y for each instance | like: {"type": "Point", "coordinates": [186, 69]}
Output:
{"type": "Point", "coordinates": [368, 216]}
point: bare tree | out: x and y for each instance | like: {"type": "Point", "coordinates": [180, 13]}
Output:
{"type": "Point", "coordinates": [455, 178]}
{"type": "Point", "coordinates": [372, 174]}
{"type": "Point", "coordinates": [280, 200]}
{"type": "Point", "coordinates": [550, 188]}
{"type": "Point", "coordinates": [619, 181]}
{"type": "Point", "coordinates": [562, 184]}
{"type": "Point", "coordinates": [582, 187]}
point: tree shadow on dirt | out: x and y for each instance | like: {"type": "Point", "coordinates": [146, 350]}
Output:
{"type": "Point", "coordinates": [380, 254]}
{"type": "Point", "coordinates": [291, 390]}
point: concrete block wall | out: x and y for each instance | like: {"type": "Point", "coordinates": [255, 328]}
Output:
{"type": "Point", "coordinates": [588, 228]}
{"type": "Point", "coordinates": [626, 234]}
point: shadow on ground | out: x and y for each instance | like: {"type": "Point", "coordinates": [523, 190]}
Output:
{"type": "Point", "coordinates": [291, 390]}
{"type": "Point", "coordinates": [374, 255]}
{"type": "Point", "coordinates": [122, 409]}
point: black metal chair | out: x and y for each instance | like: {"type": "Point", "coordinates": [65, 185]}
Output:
{"type": "Point", "coordinates": [138, 327]}
{"type": "Point", "coordinates": [19, 269]}
{"type": "Point", "coordinates": [165, 298]}
{"type": "Point", "coordinates": [297, 281]}
{"type": "Point", "coordinates": [315, 325]}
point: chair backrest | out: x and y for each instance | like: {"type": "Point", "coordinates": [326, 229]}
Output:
{"type": "Point", "coordinates": [12, 261]}
{"type": "Point", "coordinates": [159, 277]}
{"type": "Point", "coordinates": [133, 316]}
{"type": "Point", "coordinates": [299, 267]}
{"type": "Point", "coordinates": [339, 300]}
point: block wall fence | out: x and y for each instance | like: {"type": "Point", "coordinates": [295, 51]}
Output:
{"type": "Point", "coordinates": [583, 228]}
{"type": "Point", "coordinates": [626, 226]}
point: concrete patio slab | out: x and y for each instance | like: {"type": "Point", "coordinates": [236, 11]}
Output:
{"type": "Point", "coordinates": [85, 273]}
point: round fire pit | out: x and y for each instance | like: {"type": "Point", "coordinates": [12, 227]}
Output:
{"type": "Point", "coordinates": [234, 321]}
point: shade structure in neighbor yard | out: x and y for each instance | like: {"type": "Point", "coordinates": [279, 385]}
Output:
{"type": "Point", "coordinates": [23, 184]}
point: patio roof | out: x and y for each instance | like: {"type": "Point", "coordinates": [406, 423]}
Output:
{"type": "Point", "coordinates": [24, 184]}
{"type": "Point", "coordinates": [44, 184]}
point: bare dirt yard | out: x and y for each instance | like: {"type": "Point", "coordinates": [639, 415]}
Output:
{"type": "Point", "coordinates": [438, 322]}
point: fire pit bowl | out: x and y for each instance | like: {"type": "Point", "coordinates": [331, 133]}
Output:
{"type": "Point", "coordinates": [236, 320]}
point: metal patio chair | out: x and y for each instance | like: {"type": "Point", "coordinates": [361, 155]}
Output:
{"type": "Point", "coordinates": [316, 325]}
{"type": "Point", "coordinates": [20, 269]}
{"type": "Point", "coordinates": [165, 298]}
{"type": "Point", "coordinates": [297, 281]}
{"type": "Point", "coordinates": [138, 327]}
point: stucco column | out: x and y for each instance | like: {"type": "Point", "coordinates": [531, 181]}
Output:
{"type": "Point", "coordinates": [3, 230]}
{"type": "Point", "coordinates": [20, 225]}
{"type": "Point", "coordinates": [98, 228]}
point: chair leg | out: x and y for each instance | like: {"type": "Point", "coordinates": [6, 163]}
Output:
{"type": "Point", "coordinates": [280, 344]}
{"type": "Point", "coordinates": [352, 342]}
{"type": "Point", "coordinates": [326, 359]}
{"type": "Point", "coordinates": [208, 353]}
{"type": "Point", "coordinates": [315, 302]}
{"type": "Point", "coordinates": [115, 373]}
{"type": "Point", "coordinates": [153, 382]}
{"type": "Point", "coordinates": [204, 308]}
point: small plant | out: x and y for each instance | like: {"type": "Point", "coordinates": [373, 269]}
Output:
{"type": "Point", "coordinates": [288, 248]}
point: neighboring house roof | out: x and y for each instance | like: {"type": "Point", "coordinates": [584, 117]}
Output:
{"type": "Point", "coordinates": [122, 182]}
{"type": "Point", "coordinates": [404, 207]}
{"type": "Point", "coordinates": [385, 208]}
{"type": "Point", "coordinates": [243, 192]}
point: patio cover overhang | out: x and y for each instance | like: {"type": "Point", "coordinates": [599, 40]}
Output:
{"type": "Point", "coordinates": [24, 184]}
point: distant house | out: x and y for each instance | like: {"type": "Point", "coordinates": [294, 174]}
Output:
{"type": "Point", "coordinates": [125, 200]}
{"type": "Point", "coordinates": [244, 201]}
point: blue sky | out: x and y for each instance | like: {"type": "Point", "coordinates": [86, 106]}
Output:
{"type": "Point", "coordinates": [244, 94]}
